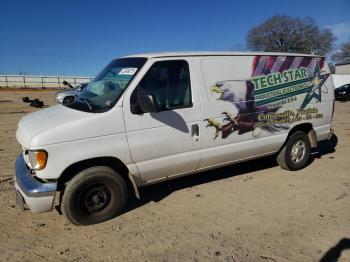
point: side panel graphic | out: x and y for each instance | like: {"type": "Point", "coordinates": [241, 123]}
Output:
{"type": "Point", "coordinates": [277, 94]}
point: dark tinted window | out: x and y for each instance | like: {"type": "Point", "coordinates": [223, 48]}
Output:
{"type": "Point", "coordinates": [169, 83]}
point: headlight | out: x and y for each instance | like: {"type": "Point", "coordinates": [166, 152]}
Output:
{"type": "Point", "coordinates": [37, 159]}
{"type": "Point", "coordinates": [59, 98]}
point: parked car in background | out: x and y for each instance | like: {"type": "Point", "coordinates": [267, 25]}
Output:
{"type": "Point", "coordinates": [342, 92]}
{"type": "Point", "coordinates": [68, 96]}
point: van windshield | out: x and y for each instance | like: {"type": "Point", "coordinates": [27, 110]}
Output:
{"type": "Point", "coordinates": [103, 92]}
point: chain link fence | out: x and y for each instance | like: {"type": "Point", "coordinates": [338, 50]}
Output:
{"type": "Point", "coordinates": [28, 81]}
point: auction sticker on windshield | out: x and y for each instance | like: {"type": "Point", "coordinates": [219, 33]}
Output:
{"type": "Point", "coordinates": [128, 71]}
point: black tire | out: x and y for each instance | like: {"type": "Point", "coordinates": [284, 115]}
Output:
{"type": "Point", "coordinates": [37, 103]}
{"type": "Point", "coordinates": [295, 154]}
{"type": "Point", "coordinates": [26, 99]}
{"type": "Point", "coordinates": [94, 195]}
{"type": "Point", "coordinates": [68, 100]}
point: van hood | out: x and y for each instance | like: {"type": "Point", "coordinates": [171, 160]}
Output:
{"type": "Point", "coordinates": [59, 124]}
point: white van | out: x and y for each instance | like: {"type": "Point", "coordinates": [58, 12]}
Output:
{"type": "Point", "coordinates": [152, 117]}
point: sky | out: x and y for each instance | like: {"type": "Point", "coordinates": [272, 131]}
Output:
{"type": "Point", "coordinates": [80, 37]}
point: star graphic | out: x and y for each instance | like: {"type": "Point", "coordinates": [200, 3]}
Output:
{"type": "Point", "coordinates": [314, 89]}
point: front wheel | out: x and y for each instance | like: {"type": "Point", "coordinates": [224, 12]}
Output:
{"type": "Point", "coordinates": [68, 100]}
{"type": "Point", "coordinates": [296, 152]}
{"type": "Point", "coordinates": [94, 195]}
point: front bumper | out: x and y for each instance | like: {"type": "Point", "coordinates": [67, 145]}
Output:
{"type": "Point", "coordinates": [38, 197]}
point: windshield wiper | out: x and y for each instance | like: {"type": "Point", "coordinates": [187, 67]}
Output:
{"type": "Point", "coordinates": [87, 102]}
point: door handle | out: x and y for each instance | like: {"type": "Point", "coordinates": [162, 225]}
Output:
{"type": "Point", "coordinates": [195, 131]}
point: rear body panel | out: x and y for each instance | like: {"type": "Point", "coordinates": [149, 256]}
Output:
{"type": "Point", "coordinates": [250, 103]}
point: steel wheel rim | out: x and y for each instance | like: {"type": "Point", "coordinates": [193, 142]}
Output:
{"type": "Point", "coordinates": [298, 151]}
{"type": "Point", "coordinates": [95, 199]}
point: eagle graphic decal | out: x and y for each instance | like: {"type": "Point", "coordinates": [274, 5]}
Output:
{"type": "Point", "coordinates": [275, 81]}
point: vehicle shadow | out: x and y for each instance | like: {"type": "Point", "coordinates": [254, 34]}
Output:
{"type": "Point", "coordinates": [324, 147]}
{"type": "Point", "coordinates": [334, 253]}
{"type": "Point", "coordinates": [157, 192]}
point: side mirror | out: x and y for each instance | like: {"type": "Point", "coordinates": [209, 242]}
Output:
{"type": "Point", "coordinates": [146, 102]}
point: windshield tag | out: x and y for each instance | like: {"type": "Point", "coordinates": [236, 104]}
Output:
{"type": "Point", "coordinates": [128, 71]}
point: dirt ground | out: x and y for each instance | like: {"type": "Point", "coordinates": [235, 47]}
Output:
{"type": "Point", "coordinates": [253, 211]}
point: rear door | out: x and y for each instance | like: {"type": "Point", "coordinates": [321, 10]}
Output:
{"type": "Point", "coordinates": [167, 143]}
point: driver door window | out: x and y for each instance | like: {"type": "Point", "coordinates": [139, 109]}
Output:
{"type": "Point", "coordinates": [169, 83]}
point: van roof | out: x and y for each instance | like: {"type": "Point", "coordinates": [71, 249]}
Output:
{"type": "Point", "coordinates": [216, 53]}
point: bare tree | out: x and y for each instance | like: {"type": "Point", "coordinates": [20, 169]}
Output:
{"type": "Point", "coordinates": [282, 33]}
{"type": "Point", "coordinates": [343, 55]}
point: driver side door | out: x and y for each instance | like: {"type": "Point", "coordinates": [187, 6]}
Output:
{"type": "Point", "coordinates": [166, 143]}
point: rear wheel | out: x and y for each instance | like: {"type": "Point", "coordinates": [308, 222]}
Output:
{"type": "Point", "coordinates": [296, 152]}
{"type": "Point", "coordinates": [94, 195]}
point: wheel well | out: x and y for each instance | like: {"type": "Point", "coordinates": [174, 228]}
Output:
{"type": "Point", "coordinates": [306, 128]}
{"type": "Point", "coordinates": [69, 96]}
{"type": "Point", "coordinates": [111, 162]}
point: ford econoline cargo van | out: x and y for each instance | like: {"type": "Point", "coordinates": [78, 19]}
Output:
{"type": "Point", "coordinates": [152, 117]}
